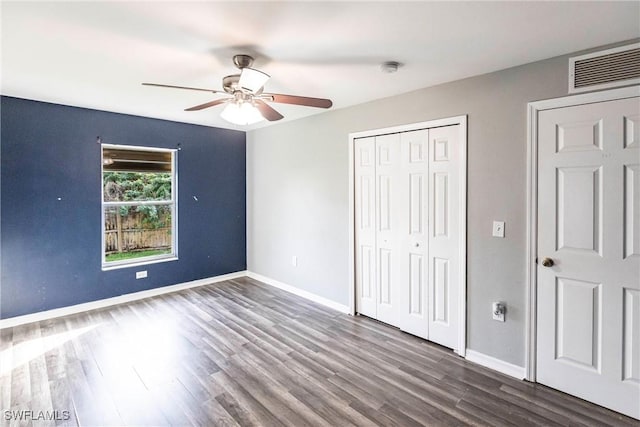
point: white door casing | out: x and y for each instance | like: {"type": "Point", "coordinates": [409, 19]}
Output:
{"type": "Point", "coordinates": [588, 221]}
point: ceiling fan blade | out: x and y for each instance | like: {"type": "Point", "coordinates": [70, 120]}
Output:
{"type": "Point", "coordinates": [298, 100]}
{"type": "Point", "coordinates": [208, 104]}
{"type": "Point", "coordinates": [267, 111]}
{"type": "Point", "coordinates": [182, 87]}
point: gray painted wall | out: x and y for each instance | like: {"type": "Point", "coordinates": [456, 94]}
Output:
{"type": "Point", "coordinates": [297, 192]}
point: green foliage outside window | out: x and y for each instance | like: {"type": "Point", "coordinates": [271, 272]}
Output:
{"type": "Point", "coordinates": [140, 186]}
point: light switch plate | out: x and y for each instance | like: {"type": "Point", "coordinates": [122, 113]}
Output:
{"type": "Point", "coordinates": [498, 310]}
{"type": "Point", "coordinates": [498, 228]}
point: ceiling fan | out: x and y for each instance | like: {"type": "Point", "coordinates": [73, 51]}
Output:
{"type": "Point", "coordinates": [248, 103]}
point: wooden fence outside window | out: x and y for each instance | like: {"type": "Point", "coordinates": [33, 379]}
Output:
{"type": "Point", "coordinates": [129, 233]}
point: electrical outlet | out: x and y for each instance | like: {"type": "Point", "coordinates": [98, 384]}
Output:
{"type": "Point", "coordinates": [498, 228]}
{"type": "Point", "coordinates": [294, 261]}
{"type": "Point", "coordinates": [498, 309]}
{"type": "Point", "coordinates": [141, 274]}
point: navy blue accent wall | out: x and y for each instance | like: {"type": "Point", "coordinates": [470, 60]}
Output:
{"type": "Point", "coordinates": [50, 238]}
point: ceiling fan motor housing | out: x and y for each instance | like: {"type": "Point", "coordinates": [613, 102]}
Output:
{"type": "Point", "coordinates": [230, 83]}
{"type": "Point", "coordinates": [243, 61]}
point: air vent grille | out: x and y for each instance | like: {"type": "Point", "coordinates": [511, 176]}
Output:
{"type": "Point", "coordinates": [606, 69]}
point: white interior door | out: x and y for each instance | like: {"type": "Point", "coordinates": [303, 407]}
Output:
{"type": "Point", "coordinates": [388, 231]}
{"type": "Point", "coordinates": [588, 305]}
{"type": "Point", "coordinates": [444, 225]}
{"type": "Point", "coordinates": [365, 221]}
{"type": "Point", "coordinates": [413, 207]}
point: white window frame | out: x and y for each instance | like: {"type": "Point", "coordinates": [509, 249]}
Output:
{"type": "Point", "coordinates": [173, 203]}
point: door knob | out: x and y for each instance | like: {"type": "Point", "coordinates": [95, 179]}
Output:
{"type": "Point", "coordinates": [547, 262]}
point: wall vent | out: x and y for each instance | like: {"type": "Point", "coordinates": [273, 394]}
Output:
{"type": "Point", "coordinates": [605, 69]}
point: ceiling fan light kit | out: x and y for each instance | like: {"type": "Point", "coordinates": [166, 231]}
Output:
{"type": "Point", "coordinates": [252, 80]}
{"type": "Point", "coordinates": [241, 113]}
{"type": "Point", "coordinates": [249, 103]}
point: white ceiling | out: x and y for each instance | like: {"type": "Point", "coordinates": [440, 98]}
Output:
{"type": "Point", "coordinates": [96, 54]}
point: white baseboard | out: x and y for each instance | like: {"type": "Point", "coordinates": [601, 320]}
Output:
{"type": "Point", "coordinates": [496, 364]}
{"type": "Point", "coordinates": [78, 308]}
{"type": "Point", "coordinates": [299, 292]}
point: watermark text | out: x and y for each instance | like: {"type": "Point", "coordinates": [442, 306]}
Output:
{"type": "Point", "coordinates": [30, 415]}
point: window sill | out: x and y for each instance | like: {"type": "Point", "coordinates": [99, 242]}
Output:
{"type": "Point", "coordinates": [108, 267]}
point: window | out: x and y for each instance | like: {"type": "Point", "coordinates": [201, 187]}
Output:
{"type": "Point", "coordinates": [138, 205]}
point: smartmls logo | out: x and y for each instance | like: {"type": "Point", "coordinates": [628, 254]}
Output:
{"type": "Point", "coordinates": [29, 415]}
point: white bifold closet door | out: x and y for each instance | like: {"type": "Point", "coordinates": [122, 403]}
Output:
{"type": "Point", "coordinates": [407, 219]}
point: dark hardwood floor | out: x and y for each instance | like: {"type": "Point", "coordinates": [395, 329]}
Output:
{"type": "Point", "coordinates": [240, 353]}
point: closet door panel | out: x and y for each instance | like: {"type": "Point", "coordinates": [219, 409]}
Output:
{"type": "Point", "coordinates": [444, 218]}
{"type": "Point", "coordinates": [412, 208]}
{"type": "Point", "coordinates": [365, 208]}
{"type": "Point", "coordinates": [388, 221]}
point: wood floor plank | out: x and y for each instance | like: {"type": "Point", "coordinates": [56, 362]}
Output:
{"type": "Point", "coordinates": [570, 408]}
{"type": "Point", "coordinates": [62, 401]}
{"type": "Point", "coordinates": [280, 384]}
{"type": "Point", "coordinates": [332, 398]}
{"type": "Point", "coordinates": [268, 393]}
{"type": "Point", "coordinates": [168, 399]}
{"type": "Point", "coordinates": [241, 415]}
{"type": "Point", "coordinates": [92, 407]}
{"type": "Point", "coordinates": [399, 417]}
{"type": "Point", "coordinates": [216, 412]}
{"type": "Point", "coordinates": [375, 416]}
{"type": "Point", "coordinates": [323, 408]}
{"type": "Point", "coordinates": [253, 409]}
{"type": "Point", "coordinates": [39, 378]}
{"type": "Point", "coordinates": [500, 419]}
{"type": "Point", "coordinates": [240, 353]}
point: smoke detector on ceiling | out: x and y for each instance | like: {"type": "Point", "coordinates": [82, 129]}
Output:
{"type": "Point", "coordinates": [390, 67]}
